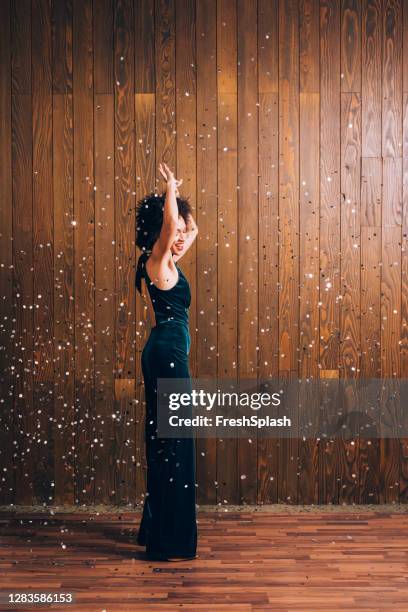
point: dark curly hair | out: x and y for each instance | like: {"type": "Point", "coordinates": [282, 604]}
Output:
{"type": "Point", "coordinates": [149, 218]}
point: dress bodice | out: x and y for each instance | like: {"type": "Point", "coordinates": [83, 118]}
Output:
{"type": "Point", "coordinates": [168, 304]}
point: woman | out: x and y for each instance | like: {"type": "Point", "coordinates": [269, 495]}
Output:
{"type": "Point", "coordinates": [165, 231]}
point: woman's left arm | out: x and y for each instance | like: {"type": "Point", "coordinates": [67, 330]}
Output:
{"type": "Point", "coordinates": [191, 234]}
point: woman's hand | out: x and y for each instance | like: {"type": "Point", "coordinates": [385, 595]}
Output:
{"type": "Point", "coordinates": [169, 177]}
{"type": "Point", "coordinates": [191, 226]}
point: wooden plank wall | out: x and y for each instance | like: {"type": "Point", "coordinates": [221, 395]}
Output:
{"type": "Point", "coordinates": [288, 121]}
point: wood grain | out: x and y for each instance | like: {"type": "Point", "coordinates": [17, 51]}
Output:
{"type": "Point", "coordinates": [227, 160]}
{"type": "Point", "coordinates": [247, 561]}
{"type": "Point", "coordinates": [287, 121]}
{"type": "Point", "coordinates": [288, 327]}
{"type": "Point", "coordinates": [43, 251]}
{"type": "Point", "coordinates": [268, 226]}
{"type": "Point", "coordinates": [84, 247]}
{"type": "Point", "coordinates": [23, 289]}
{"type": "Point", "coordinates": [7, 485]}
{"type": "Point", "coordinates": [203, 276]}
{"type": "Point", "coordinates": [248, 213]}
{"type": "Point", "coordinates": [63, 193]}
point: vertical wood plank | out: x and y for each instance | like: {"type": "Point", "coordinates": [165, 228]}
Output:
{"type": "Point", "coordinates": [350, 278]}
{"type": "Point", "coordinates": [62, 46]}
{"type": "Point", "coordinates": [404, 46]}
{"type": "Point", "coordinates": [288, 229]}
{"type": "Point", "coordinates": [309, 197]}
{"type": "Point", "coordinates": [144, 46]}
{"type": "Point", "coordinates": [204, 323]}
{"type": "Point", "coordinates": [369, 448]}
{"type": "Point", "coordinates": [391, 229]}
{"type": "Point", "coordinates": [392, 191]}
{"type": "Point", "coordinates": [43, 455]}
{"type": "Point", "coordinates": [351, 46]}
{"type": "Point", "coordinates": [7, 483]}
{"type": "Point", "coordinates": [165, 83]}
{"type": "Point", "coordinates": [371, 190]}
{"type": "Point", "coordinates": [124, 125]}
{"type": "Point", "coordinates": [123, 442]}
{"type": "Point", "coordinates": [145, 135]}
{"type": "Point", "coordinates": [248, 210]}
{"type": "Point", "coordinates": [329, 218]}
{"type": "Point", "coordinates": [63, 187]}
{"type": "Point", "coordinates": [103, 31]}
{"type": "Point", "coordinates": [145, 173]}
{"type": "Point", "coordinates": [392, 79]}
{"type": "Point", "coordinates": [309, 282]}
{"type": "Point", "coordinates": [404, 268]}
{"type": "Point", "coordinates": [268, 254]}
{"type": "Point", "coordinates": [330, 181]}
{"type": "Point", "coordinates": [63, 298]}
{"type": "Point", "coordinates": [403, 489]}
{"type": "Point", "coordinates": [23, 295]}
{"type": "Point", "coordinates": [371, 210]}
{"type": "Point", "coordinates": [390, 351]}
{"type": "Point", "coordinates": [186, 120]}
{"type": "Point", "coordinates": [309, 39]}
{"type": "Point", "coordinates": [105, 298]}
{"type": "Point", "coordinates": [84, 248]}
{"type": "Point", "coordinates": [350, 229]}
{"type": "Point", "coordinates": [371, 213]}
{"type": "Point", "coordinates": [227, 180]}
{"type": "Point", "coordinates": [328, 465]}
{"type": "Point", "coordinates": [371, 78]}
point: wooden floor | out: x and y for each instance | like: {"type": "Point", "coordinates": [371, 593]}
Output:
{"type": "Point", "coordinates": [247, 561]}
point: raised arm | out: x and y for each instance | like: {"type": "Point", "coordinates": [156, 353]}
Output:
{"type": "Point", "coordinates": [176, 236]}
{"type": "Point", "coordinates": [170, 217]}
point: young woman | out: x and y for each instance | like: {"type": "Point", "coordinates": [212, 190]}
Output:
{"type": "Point", "coordinates": [165, 231]}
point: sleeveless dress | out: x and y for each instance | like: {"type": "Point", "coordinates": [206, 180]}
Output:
{"type": "Point", "coordinates": [168, 526]}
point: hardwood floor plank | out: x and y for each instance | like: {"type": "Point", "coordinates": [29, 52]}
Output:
{"type": "Point", "coordinates": [309, 559]}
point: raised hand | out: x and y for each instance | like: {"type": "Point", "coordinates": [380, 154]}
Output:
{"type": "Point", "coordinates": [169, 177]}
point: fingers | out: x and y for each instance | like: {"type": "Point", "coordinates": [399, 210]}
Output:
{"type": "Point", "coordinates": [162, 172]}
{"type": "Point", "coordinates": [167, 173]}
{"type": "Point", "coordinates": [170, 173]}
{"type": "Point", "coordinates": [164, 169]}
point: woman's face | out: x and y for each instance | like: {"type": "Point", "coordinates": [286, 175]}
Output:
{"type": "Point", "coordinates": [178, 245]}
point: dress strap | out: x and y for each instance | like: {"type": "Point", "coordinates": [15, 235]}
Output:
{"type": "Point", "coordinates": [140, 270]}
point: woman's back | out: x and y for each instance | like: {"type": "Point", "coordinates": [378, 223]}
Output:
{"type": "Point", "coordinates": [168, 304]}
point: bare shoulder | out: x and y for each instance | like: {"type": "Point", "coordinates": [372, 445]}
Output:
{"type": "Point", "coordinates": [162, 271]}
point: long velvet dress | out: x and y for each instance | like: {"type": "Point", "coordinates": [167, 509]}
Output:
{"type": "Point", "coordinates": [168, 526]}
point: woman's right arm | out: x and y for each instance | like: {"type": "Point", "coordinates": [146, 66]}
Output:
{"type": "Point", "coordinates": [170, 213]}
{"type": "Point", "coordinates": [170, 217]}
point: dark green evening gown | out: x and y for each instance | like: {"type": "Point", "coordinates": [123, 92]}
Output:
{"type": "Point", "coordinates": [168, 526]}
